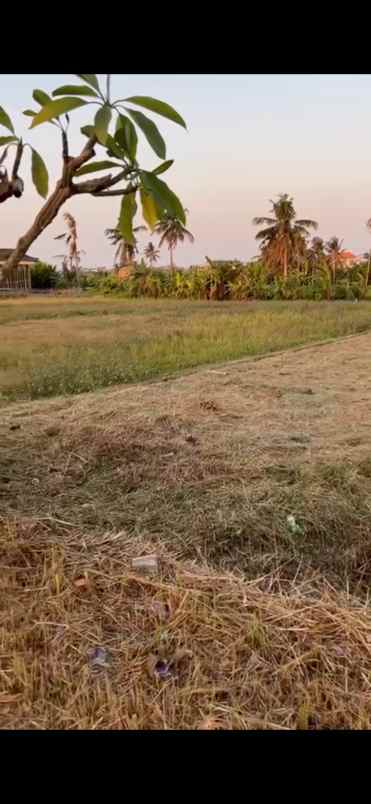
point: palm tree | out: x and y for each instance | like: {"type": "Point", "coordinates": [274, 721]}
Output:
{"type": "Point", "coordinates": [71, 260]}
{"type": "Point", "coordinates": [284, 238]}
{"type": "Point", "coordinates": [316, 252]}
{"type": "Point", "coordinates": [125, 252]}
{"type": "Point", "coordinates": [151, 254]}
{"type": "Point", "coordinates": [172, 232]}
{"type": "Point", "coordinates": [334, 253]}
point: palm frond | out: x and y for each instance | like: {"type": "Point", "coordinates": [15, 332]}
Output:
{"type": "Point", "coordinates": [266, 234]}
{"type": "Point", "coordinates": [260, 221]}
{"type": "Point", "coordinates": [309, 224]}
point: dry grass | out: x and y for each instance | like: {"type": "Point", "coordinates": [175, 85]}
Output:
{"type": "Point", "coordinates": [240, 655]}
{"type": "Point", "coordinates": [261, 628]}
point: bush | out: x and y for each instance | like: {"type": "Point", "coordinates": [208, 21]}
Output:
{"type": "Point", "coordinates": [233, 280]}
{"type": "Point", "coordinates": [43, 276]}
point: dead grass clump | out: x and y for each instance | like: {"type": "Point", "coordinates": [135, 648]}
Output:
{"type": "Point", "coordinates": [88, 643]}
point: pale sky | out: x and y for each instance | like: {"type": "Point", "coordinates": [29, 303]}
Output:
{"type": "Point", "coordinates": [249, 138]}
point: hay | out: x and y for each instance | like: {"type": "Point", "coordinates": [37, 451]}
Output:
{"type": "Point", "coordinates": [238, 655]}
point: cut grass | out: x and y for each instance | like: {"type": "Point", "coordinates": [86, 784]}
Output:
{"type": "Point", "coordinates": [94, 343]}
{"type": "Point", "coordinates": [260, 628]}
{"type": "Point", "coordinates": [263, 655]}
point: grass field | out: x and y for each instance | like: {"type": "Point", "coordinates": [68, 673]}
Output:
{"type": "Point", "coordinates": [246, 624]}
{"type": "Point", "coordinates": [58, 346]}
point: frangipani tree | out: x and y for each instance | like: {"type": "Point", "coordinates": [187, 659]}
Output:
{"type": "Point", "coordinates": [114, 129]}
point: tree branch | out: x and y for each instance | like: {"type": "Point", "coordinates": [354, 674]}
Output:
{"type": "Point", "coordinates": [86, 154]}
{"type": "Point", "coordinates": [64, 145]}
{"type": "Point", "coordinates": [93, 186]}
{"type": "Point", "coordinates": [105, 193]}
{"type": "Point", "coordinates": [17, 161]}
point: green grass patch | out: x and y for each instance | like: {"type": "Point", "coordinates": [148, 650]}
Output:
{"type": "Point", "coordinates": [59, 346]}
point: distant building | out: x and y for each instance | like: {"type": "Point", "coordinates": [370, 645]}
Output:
{"type": "Point", "coordinates": [348, 259]}
{"type": "Point", "coordinates": [20, 278]}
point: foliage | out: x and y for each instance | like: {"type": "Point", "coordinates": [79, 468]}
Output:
{"type": "Point", "coordinates": [222, 280]}
{"type": "Point", "coordinates": [43, 276]}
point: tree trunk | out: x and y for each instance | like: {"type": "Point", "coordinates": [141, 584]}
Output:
{"type": "Point", "coordinates": [172, 266]}
{"type": "Point", "coordinates": [368, 269]}
{"type": "Point", "coordinates": [285, 264]}
{"type": "Point", "coordinates": [46, 215]}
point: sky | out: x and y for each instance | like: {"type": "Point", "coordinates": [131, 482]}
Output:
{"type": "Point", "coordinates": [249, 138]}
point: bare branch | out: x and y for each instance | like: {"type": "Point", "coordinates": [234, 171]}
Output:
{"type": "Point", "coordinates": [17, 161]}
{"type": "Point", "coordinates": [105, 193]}
{"type": "Point", "coordinates": [93, 186]}
{"type": "Point", "coordinates": [64, 145]}
{"type": "Point", "coordinates": [86, 154]}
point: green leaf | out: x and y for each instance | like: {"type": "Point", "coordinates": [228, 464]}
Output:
{"type": "Point", "coordinates": [116, 149]}
{"type": "Point", "coordinates": [95, 166]}
{"type": "Point", "coordinates": [149, 209]}
{"type": "Point", "coordinates": [127, 212]}
{"type": "Point", "coordinates": [5, 120]}
{"type": "Point", "coordinates": [165, 200]}
{"type": "Point", "coordinates": [75, 90]}
{"type": "Point", "coordinates": [5, 140]}
{"type": "Point", "coordinates": [89, 131]}
{"type": "Point", "coordinates": [40, 176]}
{"type": "Point", "coordinates": [55, 108]}
{"type": "Point", "coordinates": [41, 97]}
{"type": "Point", "coordinates": [101, 121]}
{"type": "Point", "coordinates": [163, 167]}
{"type": "Point", "coordinates": [157, 106]}
{"type": "Point", "coordinates": [29, 113]}
{"type": "Point", "coordinates": [90, 78]}
{"type": "Point", "coordinates": [126, 135]}
{"type": "Point", "coordinates": [150, 132]}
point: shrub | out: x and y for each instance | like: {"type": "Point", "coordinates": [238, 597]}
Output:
{"type": "Point", "coordinates": [43, 276]}
{"type": "Point", "coordinates": [233, 280]}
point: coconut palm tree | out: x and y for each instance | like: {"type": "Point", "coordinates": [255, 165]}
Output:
{"type": "Point", "coordinates": [334, 253]}
{"type": "Point", "coordinates": [284, 237]}
{"type": "Point", "coordinates": [151, 254]}
{"type": "Point", "coordinates": [125, 252]}
{"type": "Point", "coordinates": [316, 252]}
{"type": "Point", "coordinates": [172, 232]}
{"type": "Point", "coordinates": [71, 260]}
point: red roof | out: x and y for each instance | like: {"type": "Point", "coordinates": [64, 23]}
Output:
{"type": "Point", "coordinates": [348, 255]}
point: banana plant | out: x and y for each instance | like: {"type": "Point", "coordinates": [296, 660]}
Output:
{"type": "Point", "coordinates": [114, 128]}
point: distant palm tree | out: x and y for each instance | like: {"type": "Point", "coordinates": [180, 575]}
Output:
{"type": "Point", "coordinates": [316, 252]}
{"type": "Point", "coordinates": [334, 252]}
{"type": "Point", "coordinates": [125, 252]}
{"type": "Point", "coordinates": [71, 260]}
{"type": "Point", "coordinates": [151, 254]}
{"type": "Point", "coordinates": [283, 239]}
{"type": "Point", "coordinates": [172, 232]}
